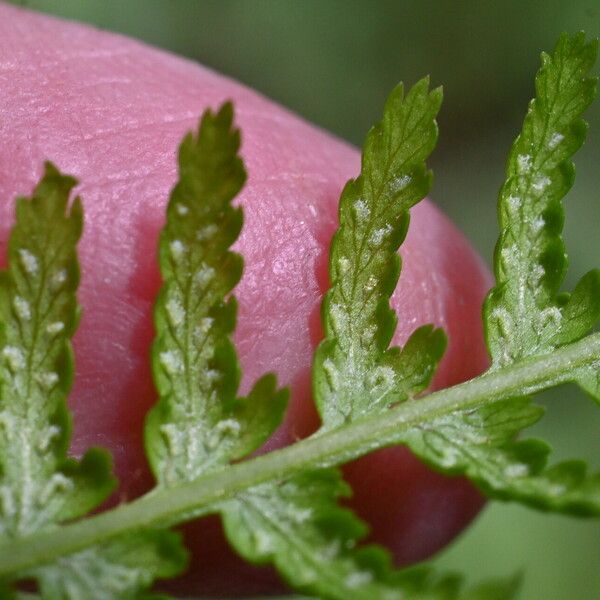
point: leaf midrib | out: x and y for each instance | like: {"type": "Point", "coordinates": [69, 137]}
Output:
{"type": "Point", "coordinates": [179, 503]}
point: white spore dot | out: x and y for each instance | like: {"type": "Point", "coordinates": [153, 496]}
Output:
{"type": "Point", "coordinates": [29, 261]}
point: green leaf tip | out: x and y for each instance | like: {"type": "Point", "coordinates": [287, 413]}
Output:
{"type": "Point", "coordinates": [199, 423]}
{"type": "Point", "coordinates": [39, 485]}
{"type": "Point", "coordinates": [354, 373]}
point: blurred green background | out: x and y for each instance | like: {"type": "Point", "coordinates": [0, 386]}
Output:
{"type": "Point", "coordinates": [334, 62]}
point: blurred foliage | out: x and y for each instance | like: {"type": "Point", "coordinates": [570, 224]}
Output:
{"type": "Point", "coordinates": [333, 62]}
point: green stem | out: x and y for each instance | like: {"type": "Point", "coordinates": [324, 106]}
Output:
{"type": "Point", "coordinates": [185, 501]}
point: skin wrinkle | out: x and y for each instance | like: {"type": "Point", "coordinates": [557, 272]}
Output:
{"type": "Point", "coordinates": [120, 140]}
{"type": "Point", "coordinates": [136, 127]}
{"type": "Point", "coordinates": [283, 177]}
{"type": "Point", "coordinates": [64, 59]}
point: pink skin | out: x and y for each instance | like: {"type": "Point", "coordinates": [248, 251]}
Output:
{"type": "Point", "coordinates": [112, 111]}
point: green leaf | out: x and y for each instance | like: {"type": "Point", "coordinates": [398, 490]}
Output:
{"type": "Point", "coordinates": [118, 570]}
{"type": "Point", "coordinates": [299, 526]}
{"type": "Point", "coordinates": [354, 372]}
{"type": "Point", "coordinates": [283, 507]}
{"type": "Point", "coordinates": [589, 380]}
{"type": "Point", "coordinates": [525, 315]}
{"type": "Point", "coordinates": [581, 309]}
{"type": "Point", "coordinates": [480, 443]}
{"type": "Point", "coordinates": [260, 413]}
{"type": "Point", "coordinates": [198, 423]}
{"type": "Point", "coordinates": [580, 314]}
{"type": "Point", "coordinates": [495, 590]}
{"type": "Point", "coordinates": [39, 485]}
